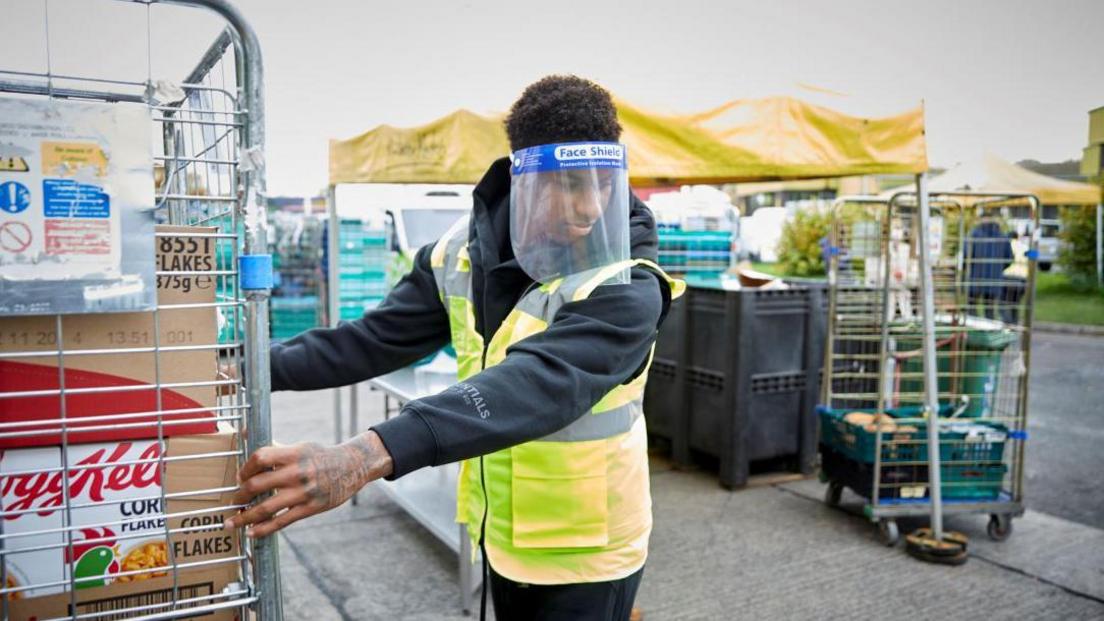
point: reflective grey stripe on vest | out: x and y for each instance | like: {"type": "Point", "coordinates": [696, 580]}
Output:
{"type": "Point", "coordinates": [591, 426]}
{"type": "Point", "coordinates": [450, 280]}
{"type": "Point", "coordinates": [545, 305]}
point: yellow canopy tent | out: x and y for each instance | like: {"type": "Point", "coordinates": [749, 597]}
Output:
{"type": "Point", "coordinates": [743, 140]}
{"type": "Point", "coordinates": [993, 175]}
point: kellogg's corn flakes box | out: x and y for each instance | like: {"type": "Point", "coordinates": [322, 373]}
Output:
{"type": "Point", "coordinates": [131, 517]}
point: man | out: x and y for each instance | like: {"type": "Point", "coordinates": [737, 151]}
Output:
{"type": "Point", "coordinates": [550, 298]}
{"type": "Point", "coordinates": [988, 255]}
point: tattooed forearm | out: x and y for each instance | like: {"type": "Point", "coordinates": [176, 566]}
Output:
{"type": "Point", "coordinates": [331, 475]}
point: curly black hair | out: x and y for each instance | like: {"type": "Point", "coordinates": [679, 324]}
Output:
{"type": "Point", "coordinates": [562, 108]}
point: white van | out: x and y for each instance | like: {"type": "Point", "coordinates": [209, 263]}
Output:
{"type": "Point", "coordinates": [415, 213]}
{"type": "Point", "coordinates": [695, 208]}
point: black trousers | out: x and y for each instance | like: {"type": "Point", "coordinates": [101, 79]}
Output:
{"type": "Point", "coordinates": [587, 601]}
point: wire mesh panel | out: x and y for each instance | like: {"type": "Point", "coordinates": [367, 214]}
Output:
{"type": "Point", "coordinates": [121, 437]}
{"type": "Point", "coordinates": [873, 423]}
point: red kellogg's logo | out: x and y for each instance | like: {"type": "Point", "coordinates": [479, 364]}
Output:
{"type": "Point", "coordinates": [44, 491]}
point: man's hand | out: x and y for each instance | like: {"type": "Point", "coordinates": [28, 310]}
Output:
{"type": "Point", "coordinates": [306, 479]}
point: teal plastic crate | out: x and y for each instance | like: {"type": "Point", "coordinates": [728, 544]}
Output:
{"type": "Point", "coordinates": [289, 316]}
{"type": "Point", "coordinates": [973, 481]}
{"type": "Point", "coordinates": [364, 289]}
{"type": "Point", "coordinates": [705, 253]}
{"type": "Point", "coordinates": [300, 302]}
{"type": "Point", "coordinates": [350, 310]}
{"type": "Point", "coordinates": [286, 332]}
{"type": "Point", "coordinates": [362, 273]}
{"type": "Point", "coordinates": [901, 484]}
{"type": "Point", "coordinates": [963, 441]}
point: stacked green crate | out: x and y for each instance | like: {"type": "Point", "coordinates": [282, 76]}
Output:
{"type": "Point", "coordinates": [701, 253]}
{"type": "Point", "coordinates": [296, 243]}
{"type": "Point", "coordinates": [229, 316]}
{"type": "Point", "coordinates": [363, 259]}
{"type": "Point", "coordinates": [971, 453]}
{"type": "Point", "coordinates": [290, 316]}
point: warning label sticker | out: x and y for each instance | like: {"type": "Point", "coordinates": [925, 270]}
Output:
{"type": "Point", "coordinates": [67, 158]}
{"type": "Point", "coordinates": [14, 236]}
{"type": "Point", "coordinates": [14, 197]}
{"type": "Point", "coordinates": [79, 237]}
{"type": "Point", "coordinates": [66, 165]}
{"type": "Point", "coordinates": [13, 159]}
{"type": "Point", "coordinates": [65, 198]}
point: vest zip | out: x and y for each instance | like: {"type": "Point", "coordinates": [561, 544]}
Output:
{"type": "Point", "coordinates": [483, 520]}
{"type": "Point", "coordinates": [483, 480]}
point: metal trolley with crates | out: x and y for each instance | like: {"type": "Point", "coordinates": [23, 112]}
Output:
{"type": "Point", "coordinates": [908, 339]}
{"type": "Point", "coordinates": [208, 174]}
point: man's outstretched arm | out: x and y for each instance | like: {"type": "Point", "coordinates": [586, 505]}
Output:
{"type": "Point", "coordinates": [547, 381]}
{"type": "Point", "coordinates": [408, 325]}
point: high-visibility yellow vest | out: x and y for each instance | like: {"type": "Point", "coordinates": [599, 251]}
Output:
{"type": "Point", "coordinates": [573, 506]}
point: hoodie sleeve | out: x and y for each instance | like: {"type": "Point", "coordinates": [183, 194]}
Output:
{"type": "Point", "coordinates": [546, 381]}
{"type": "Point", "coordinates": [408, 325]}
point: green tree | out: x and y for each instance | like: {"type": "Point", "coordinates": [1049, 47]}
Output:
{"type": "Point", "coordinates": [1077, 254]}
{"type": "Point", "coordinates": [799, 250]}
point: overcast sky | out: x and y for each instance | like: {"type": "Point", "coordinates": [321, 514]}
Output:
{"type": "Point", "coordinates": [1015, 78]}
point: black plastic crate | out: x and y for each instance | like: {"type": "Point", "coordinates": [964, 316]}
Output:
{"type": "Point", "coordinates": [897, 481]}
{"type": "Point", "coordinates": [738, 377]}
{"type": "Point", "coordinates": [773, 414]}
{"type": "Point", "coordinates": [962, 481]}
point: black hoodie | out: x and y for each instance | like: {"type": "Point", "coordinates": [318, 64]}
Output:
{"type": "Point", "coordinates": [546, 381]}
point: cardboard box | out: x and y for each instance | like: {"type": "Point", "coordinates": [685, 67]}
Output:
{"type": "Point", "coordinates": [125, 528]}
{"type": "Point", "coordinates": [188, 326]}
{"type": "Point", "coordinates": [191, 584]}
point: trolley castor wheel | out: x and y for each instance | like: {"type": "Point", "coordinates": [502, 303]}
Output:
{"type": "Point", "coordinates": [833, 493]}
{"type": "Point", "coordinates": [1000, 526]}
{"type": "Point", "coordinates": [950, 550]}
{"type": "Point", "coordinates": [888, 530]}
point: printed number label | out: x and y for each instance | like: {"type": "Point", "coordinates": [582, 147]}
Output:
{"type": "Point", "coordinates": [178, 336]}
{"type": "Point", "coordinates": [39, 337]}
{"type": "Point", "coordinates": [181, 283]}
{"type": "Point", "coordinates": [184, 245]}
{"type": "Point", "coordinates": [132, 337]}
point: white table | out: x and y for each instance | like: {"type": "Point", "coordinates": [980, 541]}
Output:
{"type": "Point", "coordinates": [429, 494]}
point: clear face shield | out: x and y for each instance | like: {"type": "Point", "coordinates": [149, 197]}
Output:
{"type": "Point", "coordinates": [569, 209]}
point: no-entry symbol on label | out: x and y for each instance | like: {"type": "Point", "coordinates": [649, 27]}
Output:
{"type": "Point", "coordinates": [14, 197]}
{"type": "Point", "coordinates": [15, 236]}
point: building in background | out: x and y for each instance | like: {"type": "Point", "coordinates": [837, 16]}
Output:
{"type": "Point", "coordinates": [1092, 167]}
{"type": "Point", "coordinates": [1092, 157]}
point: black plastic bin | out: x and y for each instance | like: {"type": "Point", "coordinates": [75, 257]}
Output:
{"type": "Point", "coordinates": [736, 377]}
